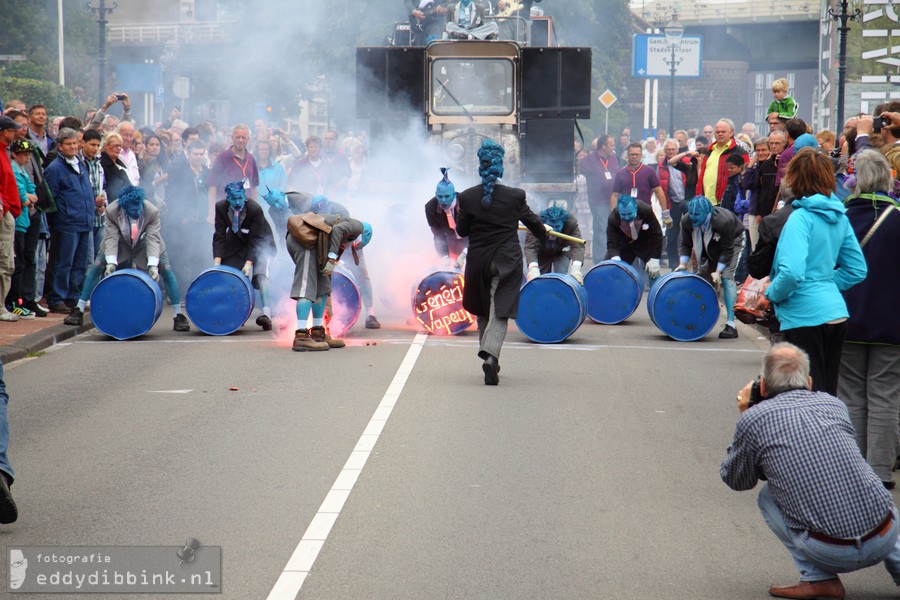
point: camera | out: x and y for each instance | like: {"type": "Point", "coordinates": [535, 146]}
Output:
{"type": "Point", "coordinates": [878, 123]}
{"type": "Point", "coordinates": [120, 97]}
{"type": "Point", "coordinates": [755, 394]}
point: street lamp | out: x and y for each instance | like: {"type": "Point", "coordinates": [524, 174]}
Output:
{"type": "Point", "coordinates": [674, 32]}
{"type": "Point", "coordinates": [843, 16]}
{"type": "Point", "coordinates": [102, 10]}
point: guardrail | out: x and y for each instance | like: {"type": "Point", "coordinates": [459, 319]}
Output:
{"type": "Point", "coordinates": [152, 33]}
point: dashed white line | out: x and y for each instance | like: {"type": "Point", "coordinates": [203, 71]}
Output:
{"type": "Point", "coordinates": [299, 565]}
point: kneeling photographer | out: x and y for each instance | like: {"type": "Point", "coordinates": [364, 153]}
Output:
{"type": "Point", "coordinates": [820, 497]}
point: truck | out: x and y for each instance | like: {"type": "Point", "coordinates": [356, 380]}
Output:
{"type": "Point", "coordinates": [455, 93]}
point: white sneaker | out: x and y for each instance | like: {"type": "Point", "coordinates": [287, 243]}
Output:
{"type": "Point", "coordinates": [8, 316]}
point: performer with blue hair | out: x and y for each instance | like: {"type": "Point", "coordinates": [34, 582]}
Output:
{"type": "Point", "coordinates": [552, 254]}
{"type": "Point", "coordinates": [441, 213]}
{"type": "Point", "coordinates": [716, 238]}
{"type": "Point", "coordinates": [357, 267]}
{"type": "Point", "coordinates": [243, 240]}
{"type": "Point", "coordinates": [312, 282]}
{"type": "Point", "coordinates": [132, 240]}
{"type": "Point", "coordinates": [633, 232]}
{"type": "Point", "coordinates": [489, 216]}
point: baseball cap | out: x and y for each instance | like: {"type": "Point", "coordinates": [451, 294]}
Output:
{"type": "Point", "coordinates": [7, 123]}
{"type": "Point", "coordinates": [21, 146]}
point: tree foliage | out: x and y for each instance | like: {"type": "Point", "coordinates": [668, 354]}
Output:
{"type": "Point", "coordinates": [58, 99]}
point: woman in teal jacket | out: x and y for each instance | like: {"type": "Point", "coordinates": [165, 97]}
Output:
{"type": "Point", "coordinates": [817, 258]}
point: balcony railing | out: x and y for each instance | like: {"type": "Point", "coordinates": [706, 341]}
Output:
{"type": "Point", "coordinates": [154, 33]}
{"type": "Point", "coordinates": [700, 12]}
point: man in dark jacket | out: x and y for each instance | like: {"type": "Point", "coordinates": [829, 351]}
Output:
{"type": "Point", "coordinates": [243, 240]}
{"type": "Point", "coordinates": [441, 213]}
{"type": "Point", "coordinates": [489, 215]}
{"type": "Point", "coordinates": [633, 232]}
{"type": "Point", "coordinates": [552, 254]}
{"type": "Point", "coordinates": [715, 237]}
{"type": "Point", "coordinates": [70, 183]}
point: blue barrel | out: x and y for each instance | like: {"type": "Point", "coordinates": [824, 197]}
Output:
{"type": "Point", "coordinates": [437, 303]}
{"type": "Point", "coordinates": [684, 306]}
{"type": "Point", "coordinates": [345, 302]}
{"type": "Point", "coordinates": [551, 308]}
{"type": "Point", "coordinates": [219, 300]}
{"type": "Point", "coordinates": [126, 304]}
{"type": "Point", "coordinates": [614, 289]}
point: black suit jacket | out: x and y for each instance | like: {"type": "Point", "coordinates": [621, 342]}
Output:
{"type": "Point", "coordinates": [253, 240]}
{"type": "Point", "coordinates": [493, 239]}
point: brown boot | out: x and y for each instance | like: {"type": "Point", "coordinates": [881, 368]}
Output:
{"type": "Point", "coordinates": [828, 588]}
{"type": "Point", "coordinates": [303, 342]}
{"type": "Point", "coordinates": [320, 335]}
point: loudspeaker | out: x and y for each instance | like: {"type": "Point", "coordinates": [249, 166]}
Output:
{"type": "Point", "coordinates": [556, 83]}
{"type": "Point", "coordinates": [547, 153]}
{"type": "Point", "coordinates": [390, 82]}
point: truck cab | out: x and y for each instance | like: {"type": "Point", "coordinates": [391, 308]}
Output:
{"type": "Point", "coordinates": [456, 93]}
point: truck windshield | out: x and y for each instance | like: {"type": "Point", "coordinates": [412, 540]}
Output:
{"type": "Point", "coordinates": [472, 86]}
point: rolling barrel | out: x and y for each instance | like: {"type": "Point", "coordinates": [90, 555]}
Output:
{"type": "Point", "coordinates": [551, 308]}
{"type": "Point", "coordinates": [345, 302]}
{"type": "Point", "coordinates": [614, 289]}
{"type": "Point", "coordinates": [219, 300]}
{"type": "Point", "coordinates": [126, 304]}
{"type": "Point", "coordinates": [437, 303]}
{"type": "Point", "coordinates": [684, 306]}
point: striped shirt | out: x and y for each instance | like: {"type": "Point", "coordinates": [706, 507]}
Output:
{"type": "Point", "coordinates": [803, 444]}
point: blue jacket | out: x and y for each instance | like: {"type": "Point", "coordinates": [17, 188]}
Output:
{"type": "Point", "coordinates": [817, 258]}
{"type": "Point", "coordinates": [73, 194]}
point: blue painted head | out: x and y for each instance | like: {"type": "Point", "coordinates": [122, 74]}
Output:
{"type": "Point", "coordinates": [320, 204]}
{"type": "Point", "coordinates": [555, 217]}
{"type": "Point", "coordinates": [445, 191]}
{"type": "Point", "coordinates": [699, 210]}
{"type": "Point", "coordinates": [276, 199]}
{"type": "Point", "coordinates": [131, 199]}
{"type": "Point", "coordinates": [627, 207]}
{"type": "Point", "coordinates": [366, 236]}
{"type": "Point", "coordinates": [235, 194]}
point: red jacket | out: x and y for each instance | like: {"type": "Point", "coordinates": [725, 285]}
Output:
{"type": "Point", "coordinates": [9, 191]}
{"type": "Point", "coordinates": [663, 171]}
{"type": "Point", "coordinates": [721, 176]}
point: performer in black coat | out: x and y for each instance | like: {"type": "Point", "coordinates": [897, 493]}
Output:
{"type": "Point", "coordinates": [243, 240]}
{"type": "Point", "coordinates": [633, 231]}
{"type": "Point", "coordinates": [489, 215]}
{"type": "Point", "coordinates": [552, 254]}
{"type": "Point", "coordinates": [439, 212]}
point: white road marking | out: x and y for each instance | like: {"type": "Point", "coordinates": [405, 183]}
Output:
{"type": "Point", "coordinates": [298, 566]}
{"type": "Point", "coordinates": [170, 391]}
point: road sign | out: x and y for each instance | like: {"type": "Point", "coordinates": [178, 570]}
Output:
{"type": "Point", "coordinates": [607, 99]}
{"type": "Point", "coordinates": [651, 56]}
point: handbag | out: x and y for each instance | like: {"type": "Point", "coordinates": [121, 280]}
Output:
{"type": "Point", "coordinates": [305, 229]}
{"type": "Point", "coordinates": [45, 202]}
{"type": "Point", "coordinates": [752, 306]}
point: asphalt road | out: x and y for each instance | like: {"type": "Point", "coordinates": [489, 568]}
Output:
{"type": "Point", "coordinates": [387, 470]}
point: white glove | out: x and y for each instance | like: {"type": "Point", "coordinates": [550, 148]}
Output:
{"type": "Point", "coordinates": [328, 269]}
{"type": "Point", "coordinates": [548, 228]}
{"type": "Point", "coordinates": [248, 269]}
{"type": "Point", "coordinates": [533, 272]}
{"type": "Point", "coordinates": [153, 272]}
{"type": "Point", "coordinates": [681, 267]}
{"type": "Point", "coordinates": [110, 269]}
{"type": "Point", "coordinates": [575, 271]}
{"type": "Point", "coordinates": [716, 278]}
{"type": "Point", "coordinates": [653, 268]}
{"type": "Point", "coordinates": [461, 259]}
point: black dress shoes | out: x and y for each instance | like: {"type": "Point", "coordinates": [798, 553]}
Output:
{"type": "Point", "coordinates": [491, 370]}
{"type": "Point", "coordinates": [8, 510]}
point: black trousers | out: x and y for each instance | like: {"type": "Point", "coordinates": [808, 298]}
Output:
{"type": "Point", "coordinates": [824, 344]}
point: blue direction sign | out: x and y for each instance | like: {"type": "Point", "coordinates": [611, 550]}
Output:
{"type": "Point", "coordinates": [652, 56]}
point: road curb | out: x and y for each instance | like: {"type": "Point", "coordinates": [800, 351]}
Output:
{"type": "Point", "coordinates": [39, 340]}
